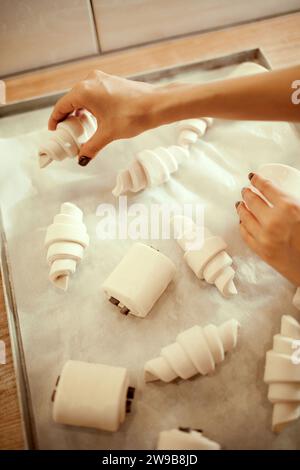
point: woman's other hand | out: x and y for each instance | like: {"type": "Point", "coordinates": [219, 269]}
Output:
{"type": "Point", "coordinates": [272, 232]}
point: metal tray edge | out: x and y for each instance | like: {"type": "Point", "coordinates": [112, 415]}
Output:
{"type": "Point", "coordinates": [253, 55]}
{"type": "Point", "coordinates": [23, 390]}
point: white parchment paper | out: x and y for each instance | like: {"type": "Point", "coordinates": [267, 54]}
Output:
{"type": "Point", "coordinates": [231, 406]}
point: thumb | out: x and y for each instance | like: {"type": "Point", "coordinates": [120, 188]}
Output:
{"type": "Point", "coordinates": [89, 149]}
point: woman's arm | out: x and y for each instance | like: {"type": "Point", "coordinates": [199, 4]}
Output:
{"type": "Point", "coordinates": [124, 108]}
{"type": "Point", "coordinates": [263, 97]}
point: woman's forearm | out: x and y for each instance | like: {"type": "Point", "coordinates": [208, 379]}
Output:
{"type": "Point", "coordinates": [124, 108]}
{"type": "Point", "coordinates": [263, 96]}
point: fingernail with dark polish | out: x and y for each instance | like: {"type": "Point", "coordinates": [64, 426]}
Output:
{"type": "Point", "coordinates": [250, 176]}
{"type": "Point", "coordinates": [237, 204]}
{"type": "Point", "coordinates": [83, 161]}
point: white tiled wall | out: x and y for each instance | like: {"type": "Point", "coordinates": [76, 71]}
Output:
{"type": "Point", "coordinates": [123, 23]}
{"type": "Point", "coordinates": [35, 33]}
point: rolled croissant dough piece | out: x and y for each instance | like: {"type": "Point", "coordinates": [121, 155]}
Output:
{"type": "Point", "coordinates": [296, 298]}
{"type": "Point", "coordinates": [185, 439]}
{"type": "Point", "coordinates": [190, 130]}
{"type": "Point", "coordinates": [66, 240]}
{"type": "Point", "coordinates": [196, 351]}
{"type": "Point", "coordinates": [150, 168]}
{"type": "Point", "coordinates": [66, 140]}
{"type": "Point", "coordinates": [91, 395]}
{"type": "Point", "coordinates": [206, 255]}
{"type": "Point", "coordinates": [282, 373]}
{"type": "Point", "coordinates": [139, 279]}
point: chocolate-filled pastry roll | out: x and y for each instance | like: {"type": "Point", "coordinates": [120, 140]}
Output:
{"type": "Point", "coordinates": [185, 439]}
{"type": "Point", "coordinates": [139, 280]}
{"type": "Point", "coordinates": [92, 395]}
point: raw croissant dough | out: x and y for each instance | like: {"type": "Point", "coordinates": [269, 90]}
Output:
{"type": "Point", "coordinates": [139, 280]}
{"type": "Point", "coordinates": [150, 168]}
{"type": "Point", "coordinates": [191, 130]}
{"type": "Point", "coordinates": [154, 167]}
{"type": "Point", "coordinates": [196, 351]}
{"type": "Point", "coordinates": [185, 439]}
{"type": "Point", "coordinates": [92, 395]}
{"type": "Point", "coordinates": [282, 373]}
{"type": "Point", "coordinates": [66, 140]}
{"type": "Point", "coordinates": [209, 261]}
{"type": "Point", "coordinates": [66, 240]}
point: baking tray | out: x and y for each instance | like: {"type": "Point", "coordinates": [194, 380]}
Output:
{"type": "Point", "coordinates": [12, 109]}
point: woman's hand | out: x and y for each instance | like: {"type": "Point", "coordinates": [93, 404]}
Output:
{"type": "Point", "coordinates": [122, 109]}
{"type": "Point", "coordinates": [272, 232]}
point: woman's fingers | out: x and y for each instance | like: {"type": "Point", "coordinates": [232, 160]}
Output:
{"type": "Point", "coordinates": [248, 238]}
{"type": "Point", "coordinates": [90, 149]}
{"type": "Point", "coordinates": [61, 110]}
{"type": "Point", "coordinates": [256, 205]}
{"type": "Point", "coordinates": [271, 192]}
{"type": "Point", "coordinates": [250, 228]}
{"type": "Point", "coordinates": [248, 220]}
